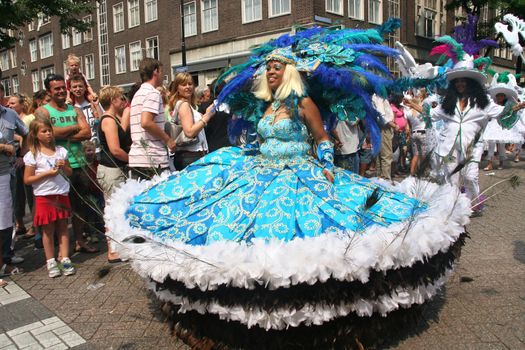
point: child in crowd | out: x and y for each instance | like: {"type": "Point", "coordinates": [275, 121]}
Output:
{"type": "Point", "coordinates": [46, 168]}
{"type": "Point", "coordinates": [73, 68]}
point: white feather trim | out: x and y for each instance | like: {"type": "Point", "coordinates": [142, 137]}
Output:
{"type": "Point", "coordinates": [309, 314]}
{"type": "Point", "coordinates": [277, 264]}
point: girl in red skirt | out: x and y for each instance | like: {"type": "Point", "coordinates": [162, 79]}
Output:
{"type": "Point", "coordinates": [47, 169]}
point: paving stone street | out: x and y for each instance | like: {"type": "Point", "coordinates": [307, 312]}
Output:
{"type": "Point", "coordinates": [107, 306]}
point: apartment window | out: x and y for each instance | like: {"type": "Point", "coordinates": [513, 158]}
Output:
{"type": "Point", "coordinates": [7, 86]}
{"type": "Point", "coordinates": [16, 84]}
{"type": "Point", "coordinates": [431, 4]}
{"type": "Point", "coordinates": [88, 35]}
{"type": "Point", "coordinates": [210, 16]}
{"type": "Point", "coordinates": [31, 26]}
{"type": "Point", "coordinates": [77, 37]}
{"type": "Point", "coordinates": [279, 7]}
{"type": "Point", "coordinates": [45, 72]}
{"type": "Point", "coordinates": [12, 57]}
{"type": "Point", "coordinates": [89, 66]}
{"type": "Point", "coordinates": [334, 6]}
{"type": "Point", "coordinates": [35, 79]}
{"type": "Point", "coordinates": [133, 13]}
{"type": "Point", "coordinates": [150, 8]}
{"type": "Point", "coordinates": [356, 9]}
{"type": "Point", "coordinates": [251, 10]}
{"type": "Point", "coordinates": [43, 19]}
{"type": "Point", "coordinates": [66, 40]}
{"type": "Point", "coordinates": [120, 59]}
{"type": "Point", "coordinates": [46, 45]}
{"type": "Point", "coordinates": [152, 47]}
{"type": "Point", "coordinates": [118, 17]}
{"type": "Point", "coordinates": [430, 22]}
{"type": "Point", "coordinates": [4, 60]}
{"type": "Point", "coordinates": [190, 19]}
{"type": "Point", "coordinates": [375, 10]}
{"type": "Point", "coordinates": [135, 55]}
{"type": "Point", "coordinates": [33, 49]}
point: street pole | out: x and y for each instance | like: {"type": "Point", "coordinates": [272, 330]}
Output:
{"type": "Point", "coordinates": [183, 41]}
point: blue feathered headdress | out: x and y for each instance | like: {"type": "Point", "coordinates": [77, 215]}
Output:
{"type": "Point", "coordinates": [342, 68]}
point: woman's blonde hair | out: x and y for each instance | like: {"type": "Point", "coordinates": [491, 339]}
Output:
{"type": "Point", "coordinates": [180, 78]}
{"type": "Point", "coordinates": [292, 82]}
{"type": "Point", "coordinates": [24, 100]}
{"type": "Point", "coordinates": [108, 93]}
{"type": "Point", "coordinates": [32, 137]}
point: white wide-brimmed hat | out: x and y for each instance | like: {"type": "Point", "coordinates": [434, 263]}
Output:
{"type": "Point", "coordinates": [466, 69]}
{"type": "Point", "coordinates": [504, 84]}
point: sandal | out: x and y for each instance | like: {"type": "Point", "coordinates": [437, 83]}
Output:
{"type": "Point", "coordinates": [14, 271]}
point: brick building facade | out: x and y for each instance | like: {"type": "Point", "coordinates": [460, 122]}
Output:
{"type": "Point", "coordinates": [217, 34]}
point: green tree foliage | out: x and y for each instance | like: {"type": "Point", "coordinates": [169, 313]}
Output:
{"type": "Point", "coordinates": [17, 13]}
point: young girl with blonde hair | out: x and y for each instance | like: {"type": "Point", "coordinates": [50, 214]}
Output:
{"type": "Point", "coordinates": [46, 169]}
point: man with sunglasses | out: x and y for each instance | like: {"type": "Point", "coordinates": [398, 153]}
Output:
{"type": "Point", "coordinates": [70, 129]}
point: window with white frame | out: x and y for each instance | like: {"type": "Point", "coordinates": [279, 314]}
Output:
{"type": "Point", "coordinates": [152, 47]}
{"type": "Point", "coordinates": [33, 50]}
{"type": "Point", "coordinates": [356, 9]}
{"type": "Point", "coordinates": [45, 72]}
{"type": "Point", "coordinates": [150, 10]}
{"type": "Point", "coordinates": [88, 35]}
{"type": "Point", "coordinates": [430, 23]}
{"type": "Point", "coordinates": [4, 60]}
{"type": "Point", "coordinates": [77, 37]}
{"type": "Point", "coordinates": [35, 79]}
{"type": "Point", "coordinates": [190, 19]}
{"type": "Point", "coordinates": [135, 55]}
{"type": "Point", "coordinates": [89, 66]}
{"type": "Point", "coordinates": [7, 86]}
{"type": "Point", "coordinates": [210, 15]}
{"type": "Point", "coordinates": [12, 57]}
{"type": "Point", "coordinates": [46, 45]}
{"type": "Point", "coordinates": [118, 17]}
{"type": "Point", "coordinates": [334, 6]}
{"type": "Point", "coordinates": [375, 11]}
{"type": "Point", "coordinates": [31, 26]}
{"type": "Point", "coordinates": [66, 40]}
{"type": "Point", "coordinates": [279, 7]}
{"type": "Point", "coordinates": [251, 10]}
{"type": "Point", "coordinates": [120, 59]}
{"type": "Point", "coordinates": [16, 84]}
{"type": "Point", "coordinates": [133, 13]}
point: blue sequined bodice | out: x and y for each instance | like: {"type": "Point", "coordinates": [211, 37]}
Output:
{"type": "Point", "coordinates": [286, 138]}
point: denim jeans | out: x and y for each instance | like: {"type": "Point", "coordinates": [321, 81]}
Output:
{"type": "Point", "coordinates": [348, 161]}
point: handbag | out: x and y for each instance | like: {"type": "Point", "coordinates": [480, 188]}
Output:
{"type": "Point", "coordinates": [176, 130]}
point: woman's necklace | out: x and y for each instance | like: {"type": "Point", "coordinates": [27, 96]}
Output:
{"type": "Point", "coordinates": [276, 105]}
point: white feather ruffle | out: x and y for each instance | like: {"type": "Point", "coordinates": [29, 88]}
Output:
{"type": "Point", "coordinates": [277, 264]}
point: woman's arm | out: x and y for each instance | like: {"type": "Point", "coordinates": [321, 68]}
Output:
{"type": "Point", "coordinates": [110, 129]}
{"type": "Point", "coordinates": [190, 128]}
{"type": "Point", "coordinates": [325, 148]}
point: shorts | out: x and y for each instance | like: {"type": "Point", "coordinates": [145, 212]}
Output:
{"type": "Point", "coordinates": [109, 179]}
{"type": "Point", "coordinates": [365, 156]}
{"type": "Point", "coordinates": [419, 143]}
{"type": "Point", "coordinates": [79, 190]}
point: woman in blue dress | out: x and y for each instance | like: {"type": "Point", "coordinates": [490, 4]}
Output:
{"type": "Point", "coordinates": [268, 236]}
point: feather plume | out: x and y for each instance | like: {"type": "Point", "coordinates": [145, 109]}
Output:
{"type": "Point", "coordinates": [452, 49]}
{"type": "Point", "coordinates": [390, 26]}
{"type": "Point", "coordinates": [466, 35]}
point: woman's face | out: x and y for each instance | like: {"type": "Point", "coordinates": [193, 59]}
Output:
{"type": "Point", "coordinates": [274, 74]}
{"type": "Point", "coordinates": [14, 103]}
{"type": "Point", "coordinates": [461, 85]}
{"type": "Point", "coordinates": [119, 103]}
{"type": "Point", "coordinates": [500, 99]}
{"type": "Point", "coordinates": [185, 90]}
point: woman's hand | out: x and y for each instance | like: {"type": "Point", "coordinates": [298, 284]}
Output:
{"type": "Point", "coordinates": [329, 176]}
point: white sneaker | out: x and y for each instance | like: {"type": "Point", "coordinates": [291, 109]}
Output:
{"type": "Point", "coordinates": [17, 259]}
{"type": "Point", "coordinates": [52, 268]}
{"type": "Point", "coordinates": [67, 267]}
